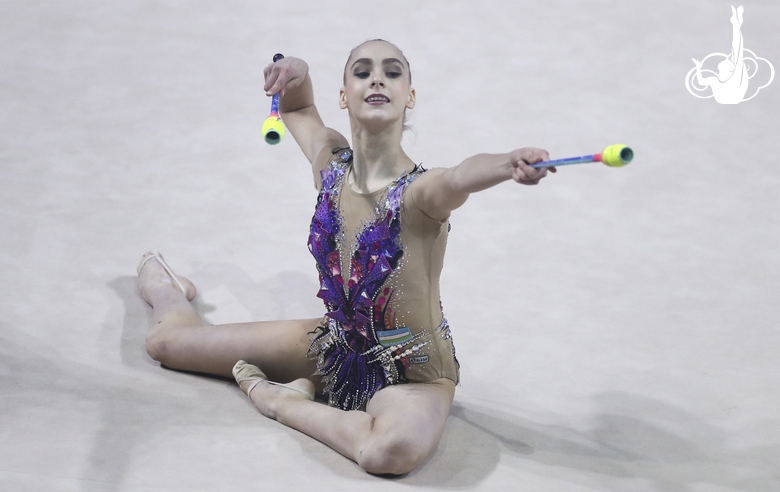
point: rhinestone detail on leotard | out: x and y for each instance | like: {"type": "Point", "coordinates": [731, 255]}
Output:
{"type": "Point", "coordinates": [352, 362]}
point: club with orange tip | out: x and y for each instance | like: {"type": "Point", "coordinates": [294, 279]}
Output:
{"type": "Point", "coordinates": [273, 128]}
{"type": "Point", "coordinates": [617, 155]}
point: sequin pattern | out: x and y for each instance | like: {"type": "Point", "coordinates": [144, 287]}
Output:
{"type": "Point", "coordinates": [352, 362]}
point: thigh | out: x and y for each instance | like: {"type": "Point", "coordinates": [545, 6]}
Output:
{"type": "Point", "coordinates": [413, 411]}
{"type": "Point", "coordinates": [278, 348]}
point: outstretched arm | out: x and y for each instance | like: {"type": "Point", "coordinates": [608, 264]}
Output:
{"type": "Point", "coordinates": [290, 77]}
{"type": "Point", "coordinates": [440, 191]}
{"type": "Point", "coordinates": [701, 80]}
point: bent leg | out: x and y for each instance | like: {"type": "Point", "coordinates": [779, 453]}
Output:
{"type": "Point", "coordinates": [400, 429]}
{"type": "Point", "coordinates": [179, 338]}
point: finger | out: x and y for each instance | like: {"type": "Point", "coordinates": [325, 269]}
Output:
{"type": "Point", "coordinates": [529, 182]}
{"type": "Point", "coordinates": [538, 177]}
{"type": "Point", "coordinates": [278, 79]}
{"type": "Point", "coordinates": [270, 80]}
{"type": "Point", "coordinates": [527, 176]}
{"type": "Point", "coordinates": [282, 82]}
{"type": "Point", "coordinates": [270, 76]}
{"type": "Point", "coordinates": [532, 173]}
{"type": "Point", "coordinates": [543, 155]}
{"type": "Point", "coordinates": [277, 86]}
{"type": "Point", "coordinates": [532, 156]}
{"type": "Point", "coordinates": [517, 175]}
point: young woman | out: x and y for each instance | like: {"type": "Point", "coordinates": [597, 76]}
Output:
{"type": "Point", "coordinates": [382, 355]}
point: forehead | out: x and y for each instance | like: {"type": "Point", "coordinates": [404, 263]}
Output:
{"type": "Point", "coordinates": [376, 51]}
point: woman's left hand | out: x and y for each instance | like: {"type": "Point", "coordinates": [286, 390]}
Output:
{"type": "Point", "coordinates": [521, 160]}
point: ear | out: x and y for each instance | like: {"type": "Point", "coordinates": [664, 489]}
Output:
{"type": "Point", "coordinates": [412, 99]}
{"type": "Point", "coordinates": [342, 98]}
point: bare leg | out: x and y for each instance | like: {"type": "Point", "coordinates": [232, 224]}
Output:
{"type": "Point", "coordinates": [400, 429]}
{"type": "Point", "coordinates": [736, 38]}
{"type": "Point", "coordinates": [179, 338]}
{"type": "Point", "coordinates": [736, 35]}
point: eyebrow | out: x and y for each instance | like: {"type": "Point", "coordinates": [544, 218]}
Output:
{"type": "Point", "coordinates": [386, 61]}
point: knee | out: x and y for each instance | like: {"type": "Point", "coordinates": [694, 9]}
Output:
{"type": "Point", "coordinates": [392, 455]}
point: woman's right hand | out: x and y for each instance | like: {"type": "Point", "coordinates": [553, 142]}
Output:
{"type": "Point", "coordinates": [284, 75]}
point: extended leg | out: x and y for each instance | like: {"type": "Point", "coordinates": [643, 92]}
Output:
{"type": "Point", "coordinates": [399, 430]}
{"type": "Point", "coordinates": [179, 338]}
{"type": "Point", "coordinates": [736, 34]}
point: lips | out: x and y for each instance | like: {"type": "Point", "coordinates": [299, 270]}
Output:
{"type": "Point", "coordinates": [377, 99]}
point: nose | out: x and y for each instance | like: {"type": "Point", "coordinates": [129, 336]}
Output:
{"type": "Point", "coordinates": [377, 81]}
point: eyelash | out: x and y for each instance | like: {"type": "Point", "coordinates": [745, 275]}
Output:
{"type": "Point", "coordinates": [365, 75]}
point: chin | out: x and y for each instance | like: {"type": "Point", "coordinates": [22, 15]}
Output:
{"type": "Point", "coordinates": [377, 121]}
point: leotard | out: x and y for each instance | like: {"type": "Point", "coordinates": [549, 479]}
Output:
{"type": "Point", "coordinates": [384, 323]}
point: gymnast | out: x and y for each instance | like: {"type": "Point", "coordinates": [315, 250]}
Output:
{"type": "Point", "coordinates": [731, 84]}
{"type": "Point", "coordinates": [382, 357]}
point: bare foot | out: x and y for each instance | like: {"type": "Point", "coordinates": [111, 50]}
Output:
{"type": "Point", "coordinates": [153, 276]}
{"type": "Point", "coordinates": [270, 397]}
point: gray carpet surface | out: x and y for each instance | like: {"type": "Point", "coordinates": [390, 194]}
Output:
{"type": "Point", "coordinates": [617, 328]}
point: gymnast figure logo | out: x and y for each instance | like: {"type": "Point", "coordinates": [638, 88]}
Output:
{"type": "Point", "coordinates": [735, 70]}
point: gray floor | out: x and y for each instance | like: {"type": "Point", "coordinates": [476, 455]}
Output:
{"type": "Point", "coordinates": [617, 328]}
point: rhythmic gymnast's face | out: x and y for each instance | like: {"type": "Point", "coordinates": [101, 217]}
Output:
{"type": "Point", "coordinates": [377, 84]}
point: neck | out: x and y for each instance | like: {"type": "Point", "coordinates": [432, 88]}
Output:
{"type": "Point", "coordinates": [378, 158]}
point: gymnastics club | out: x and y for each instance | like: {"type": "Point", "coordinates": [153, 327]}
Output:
{"type": "Point", "coordinates": [617, 155]}
{"type": "Point", "coordinates": [273, 128]}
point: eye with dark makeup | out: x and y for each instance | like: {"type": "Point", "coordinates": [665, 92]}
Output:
{"type": "Point", "coordinates": [361, 74]}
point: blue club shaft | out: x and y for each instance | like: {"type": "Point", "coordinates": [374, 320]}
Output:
{"type": "Point", "coordinates": [568, 161]}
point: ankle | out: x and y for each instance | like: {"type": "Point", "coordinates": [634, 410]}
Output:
{"type": "Point", "coordinates": [277, 401]}
{"type": "Point", "coordinates": [266, 405]}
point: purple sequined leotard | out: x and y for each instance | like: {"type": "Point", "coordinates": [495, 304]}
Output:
{"type": "Point", "coordinates": [366, 341]}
